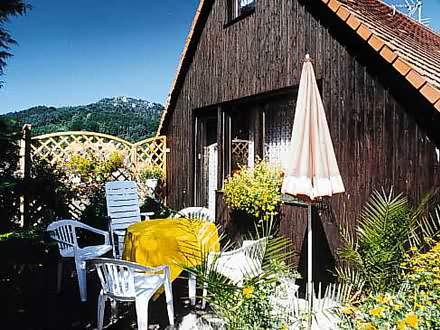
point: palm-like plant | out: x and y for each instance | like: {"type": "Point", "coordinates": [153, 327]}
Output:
{"type": "Point", "coordinates": [388, 226]}
{"type": "Point", "coordinates": [8, 8]}
{"type": "Point", "coordinates": [246, 305]}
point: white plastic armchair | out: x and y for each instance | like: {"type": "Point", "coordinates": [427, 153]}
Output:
{"type": "Point", "coordinates": [127, 281]}
{"type": "Point", "coordinates": [123, 210]}
{"type": "Point", "coordinates": [195, 212]}
{"type": "Point", "coordinates": [237, 265]}
{"type": "Point", "coordinates": [64, 232]}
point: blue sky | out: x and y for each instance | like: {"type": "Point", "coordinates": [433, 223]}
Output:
{"type": "Point", "coordinates": [77, 52]}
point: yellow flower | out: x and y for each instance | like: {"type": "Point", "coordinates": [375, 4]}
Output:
{"type": "Point", "coordinates": [378, 311]}
{"type": "Point", "coordinates": [284, 327]}
{"type": "Point", "coordinates": [366, 326]}
{"type": "Point", "coordinates": [248, 291]}
{"type": "Point", "coordinates": [384, 300]}
{"type": "Point", "coordinates": [348, 310]}
{"type": "Point", "coordinates": [397, 307]}
{"type": "Point", "coordinates": [401, 325]}
{"type": "Point", "coordinates": [411, 320]}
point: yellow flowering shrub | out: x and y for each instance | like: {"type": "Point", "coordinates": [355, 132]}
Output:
{"type": "Point", "coordinates": [88, 168]}
{"type": "Point", "coordinates": [415, 306]}
{"type": "Point", "coordinates": [256, 191]}
{"type": "Point", "coordinates": [151, 171]}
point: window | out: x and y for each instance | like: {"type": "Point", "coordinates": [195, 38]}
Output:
{"type": "Point", "coordinates": [240, 9]}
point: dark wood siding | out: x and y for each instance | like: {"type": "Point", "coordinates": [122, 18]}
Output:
{"type": "Point", "coordinates": [383, 132]}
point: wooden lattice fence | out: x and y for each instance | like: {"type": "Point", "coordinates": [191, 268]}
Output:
{"type": "Point", "coordinates": [58, 148]}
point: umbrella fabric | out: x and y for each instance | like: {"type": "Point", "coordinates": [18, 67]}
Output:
{"type": "Point", "coordinates": [310, 165]}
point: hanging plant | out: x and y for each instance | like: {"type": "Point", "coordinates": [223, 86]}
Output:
{"type": "Point", "coordinates": [256, 191]}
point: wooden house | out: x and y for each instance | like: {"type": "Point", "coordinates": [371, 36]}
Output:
{"type": "Point", "coordinates": [234, 99]}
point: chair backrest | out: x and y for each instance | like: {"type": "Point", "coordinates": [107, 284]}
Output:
{"type": "Point", "coordinates": [64, 233]}
{"type": "Point", "coordinates": [196, 212]}
{"type": "Point", "coordinates": [242, 263]}
{"type": "Point", "coordinates": [255, 249]}
{"type": "Point", "coordinates": [117, 276]}
{"type": "Point", "coordinates": [122, 204]}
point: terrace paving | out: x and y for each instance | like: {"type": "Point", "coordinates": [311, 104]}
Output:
{"type": "Point", "coordinates": [29, 291]}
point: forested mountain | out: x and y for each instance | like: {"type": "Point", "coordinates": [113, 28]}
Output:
{"type": "Point", "coordinates": [128, 118]}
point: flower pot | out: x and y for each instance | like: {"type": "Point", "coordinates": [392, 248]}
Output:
{"type": "Point", "coordinates": [151, 184]}
{"type": "Point", "coordinates": [241, 225]}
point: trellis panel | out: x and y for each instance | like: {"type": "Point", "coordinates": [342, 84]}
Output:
{"type": "Point", "coordinates": [57, 148]}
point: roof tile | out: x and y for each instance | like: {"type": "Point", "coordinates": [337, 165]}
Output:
{"type": "Point", "coordinates": [388, 54]}
{"type": "Point", "coordinates": [364, 31]}
{"type": "Point", "coordinates": [430, 92]}
{"type": "Point", "coordinates": [415, 79]}
{"type": "Point", "coordinates": [334, 5]}
{"type": "Point", "coordinates": [376, 43]}
{"type": "Point", "coordinates": [437, 105]}
{"type": "Point", "coordinates": [411, 41]}
{"type": "Point", "coordinates": [401, 66]}
{"type": "Point", "coordinates": [343, 13]}
{"type": "Point", "coordinates": [353, 22]}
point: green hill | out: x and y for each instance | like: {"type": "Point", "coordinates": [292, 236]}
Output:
{"type": "Point", "coordinates": [127, 118]}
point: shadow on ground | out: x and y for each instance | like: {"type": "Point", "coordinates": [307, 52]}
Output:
{"type": "Point", "coordinates": [29, 290]}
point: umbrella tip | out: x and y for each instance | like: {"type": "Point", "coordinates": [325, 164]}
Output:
{"type": "Point", "coordinates": [307, 59]}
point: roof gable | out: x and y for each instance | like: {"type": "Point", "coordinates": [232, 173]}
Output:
{"type": "Point", "coordinates": [410, 47]}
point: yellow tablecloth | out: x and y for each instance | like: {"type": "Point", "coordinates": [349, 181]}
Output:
{"type": "Point", "coordinates": [174, 242]}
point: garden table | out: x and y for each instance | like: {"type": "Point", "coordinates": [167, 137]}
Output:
{"type": "Point", "coordinates": [176, 242]}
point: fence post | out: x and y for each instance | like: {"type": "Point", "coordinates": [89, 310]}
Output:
{"type": "Point", "coordinates": [134, 162]}
{"type": "Point", "coordinates": [25, 166]}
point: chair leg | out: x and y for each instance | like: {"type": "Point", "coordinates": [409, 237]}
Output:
{"type": "Point", "coordinates": [114, 248]}
{"type": "Point", "coordinates": [82, 279]}
{"type": "Point", "coordinates": [192, 288]}
{"type": "Point", "coordinates": [120, 246]}
{"type": "Point", "coordinates": [169, 301]}
{"type": "Point", "coordinates": [101, 309]}
{"type": "Point", "coordinates": [204, 294]}
{"type": "Point", "coordinates": [59, 275]}
{"type": "Point", "coordinates": [141, 303]}
{"type": "Point", "coordinates": [114, 309]}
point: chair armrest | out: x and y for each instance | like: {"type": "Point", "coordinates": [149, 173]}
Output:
{"type": "Point", "coordinates": [63, 242]}
{"type": "Point", "coordinates": [150, 269]}
{"type": "Point", "coordinates": [94, 230]}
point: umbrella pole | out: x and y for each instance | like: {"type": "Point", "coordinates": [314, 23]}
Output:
{"type": "Point", "coordinates": [309, 261]}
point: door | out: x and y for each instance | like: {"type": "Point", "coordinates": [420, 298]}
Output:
{"type": "Point", "coordinates": [206, 161]}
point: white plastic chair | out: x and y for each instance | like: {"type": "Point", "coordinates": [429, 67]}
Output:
{"type": "Point", "coordinates": [196, 212]}
{"type": "Point", "coordinates": [123, 210]}
{"type": "Point", "coordinates": [237, 265]}
{"type": "Point", "coordinates": [127, 281]}
{"type": "Point", "coordinates": [65, 233]}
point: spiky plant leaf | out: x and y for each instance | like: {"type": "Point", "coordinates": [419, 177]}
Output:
{"type": "Point", "coordinates": [387, 227]}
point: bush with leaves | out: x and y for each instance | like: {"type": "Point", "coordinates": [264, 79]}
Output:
{"type": "Point", "coordinates": [86, 174]}
{"type": "Point", "coordinates": [9, 156]}
{"type": "Point", "coordinates": [416, 305]}
{"type": "Point", "coordinates": [388, 227]}
{"type": "Point", "coordinates": [151, 171]}
{"type": "Point", "coordinates": [249, 305]}
{"type": "Point", "coordinates": [256, 191]}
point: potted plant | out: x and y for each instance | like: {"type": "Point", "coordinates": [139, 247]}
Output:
{"type": "Point", "coordinates": [253, 194]}
{"type": "Point", "coordinates": [151, 174]}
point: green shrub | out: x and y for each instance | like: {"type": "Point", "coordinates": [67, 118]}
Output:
{"type": "Point", "coordinates": [151, 171]}
{"type": "Point", "coordinates": [256, 191]}
{"type": "Point", "coordinates": [388, 226]}
{"type": "Point", "coordinates": [416, 305]}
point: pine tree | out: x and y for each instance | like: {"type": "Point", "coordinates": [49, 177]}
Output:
{"type": "Point", "coordinates": [8, 8]}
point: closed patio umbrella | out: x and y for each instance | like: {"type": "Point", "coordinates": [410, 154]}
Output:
{"type": "Point", "coordinates": [310, 166]}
